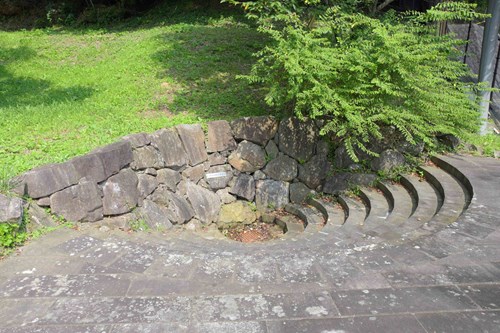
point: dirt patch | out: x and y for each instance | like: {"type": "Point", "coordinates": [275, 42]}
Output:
{"type": "Point", "coordinates": [255, 232]}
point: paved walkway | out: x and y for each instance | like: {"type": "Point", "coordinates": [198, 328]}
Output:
{"type": "Point", "coordinates": [90, 280]}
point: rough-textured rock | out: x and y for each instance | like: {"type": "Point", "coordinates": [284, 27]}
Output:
{"type": "Point", "coordinates": [248, 157]}
{"type": "Point", "coordinates": [255, 129]}
{"type": "Point", "coordinates": [119, 221]}
{"type": "Point", "coordinates": [11, 209]}
{"type": "Point", "coordinates": [216, 159]}
{"type": "Point", "coordinates": [114, 157]}
{"type": "Point", "coordinates": [169, 177]}
{"type": "Point", "coordinates": [271, 194]}
{"type": "Point", "coordinates": [244, 187]}
{"type": "Point", "coordinates": [46, 180]}
{"type": "Point", "coordinates": [39, 218]}
{"type": "Point", "coordinates": [408, 148]}
{"type": "Point", "coordinates": [272, 150]}
{"type": "Point", "coordinates": [146, 185]}
{"type": "Point", "coordinates": [315, 171]}
{"type": "Point", "coordinates": [178, 210]}
{"type": "Point", "coordinates": [388, 160]}
{"type": "Point", "coordinates": [151, 171]}
{"type": "Point", "coordinates": [299, 192]}
{"type": "Point", "coordinates": [236, 212]}
{"type": "Point", "coordinates": [219, 136]}
{"type": "Point", "coordinates": [322, 148]}
{"type": "Point", "coordinates": [193, 225]}
{"type": "Point", "coordinates": [169, 144]}
{"type": "Point", "coordinates": [81, 202]}
{"type": "Point", "coordinates": [146, 157]}
{"type": "Point", "coordinates": [90, 166]}
{"type": "Point", "coordinates": [121, 194]}
{"type": "Point", "coordinates": [344, 180]}
{"type": "Point", "coordinates": [342, 159]}
{"type": "Point", "coordinates": [154, 215]}
{"type": "Point", "coordinates": [282, 168]}
{"type": "Point", "coordinates": [449, 140]}
{"type": "Point", "coordinates": [298, 138]}
{"type": "Point", "coordinates": [43, 202]}
{"type": "Point", "coordinates": [225, 196]}
{"type": "Point", "coordinates": [195, 173]}
{"type": "Point", "coordinates": [193, 140]}
{"type": "Point", "coordinates": [206, 204]}
{"type": "Point", "coordinates": [218, 176]}
{"type": "Point", "coordinates": [138, 140]}
{"type": "Point", "coordinates": [259, 175]}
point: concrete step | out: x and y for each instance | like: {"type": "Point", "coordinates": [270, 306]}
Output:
{"type": "Point", "coordinates": [312, 217]}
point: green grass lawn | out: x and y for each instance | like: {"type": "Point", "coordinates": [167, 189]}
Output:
{"type": "Point", "coordinates": [64, 92]}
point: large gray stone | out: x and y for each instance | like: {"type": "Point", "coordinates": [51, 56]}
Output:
{"type": "Point", "coordinates": [255, 129]}
{"type": "Point", "coordinates": [78, 203]}
{"type": "Point", "coordinates": [244, 187]}
{"type": "Point", "coordinates": [121, 194]}
{"type": "Point", "coordinates": [219, 176]}
{"type": "Point", "coordinates": [282, 168]}
{"type": "Point", "coordinates": [342, 159]}
{"type": "Point", "coordinates": [206, 204]}
{"type": "Point", "coordinates": [193, 140]}
{"type": "Point", "coordinates": [344, 180]}
{"type": "Point", "coordinates": [155, 216]}
{"type": "Point", "coordinates": [236, 212]}
{"type": "Point", "coordinates": [248, 157]}
{"type": "Point", "coordinates": [219, 136]}
{"type": "Point", "coordinates": [39, 218]}
{"type": "Point", "coordinates": [169, 144]}
{"type": "Point", "coordinates": [388, 160]}
{"type": "Point", "coordinates": [299, 192]}
{"type": "Point", "coordinates": [11, 209]}
{"type": "Point", "coordinates": [298, 138]}
{"type": "Point", "coordinates": [225, 197]}
{"type": "Point", "coordinates": [46, 180]}
{"type": "Point", "coordinates": [272, 150]}
{"type": "Point", "coordinates": [216, 159]}
{"type": "Point", "coordinates": [169, 177]}
{"type": "Point", "coordinates": [178, 210]}
{"type": "Point", "coordinates": [315, 171]}
{"type": "Point", "coordinates": [146, 185]}
{"type": "Point", "coordinates": [147, 157]}
{"type": "Point", "coordinates": [271, 194]}
{"type": "Point", "coordinates": [138, 140]}
{"type": "Point", "coordinates": [90, 166]}
{"type": "Point", "coordinates": [195, 173]}
{"type": "Point", "coordinates": [114, 157]}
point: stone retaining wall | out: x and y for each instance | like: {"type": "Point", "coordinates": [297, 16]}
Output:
{"type": "Point", "coordinates": [178, 174]}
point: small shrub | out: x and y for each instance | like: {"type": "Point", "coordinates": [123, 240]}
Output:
{"type": "Point", "coordinates": [11, 235]}
{"type": "Point", "coordinates": [362, 74]}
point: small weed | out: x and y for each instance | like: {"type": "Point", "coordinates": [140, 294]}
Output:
{"type": "Point", "coordinates": [139, 225]}
{"type": "Point", "coordinates": [252, 206]}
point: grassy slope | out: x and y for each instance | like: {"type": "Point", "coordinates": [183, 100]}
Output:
{"type": "Point", "coordinates": [65, 92]}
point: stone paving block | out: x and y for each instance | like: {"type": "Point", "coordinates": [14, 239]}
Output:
{"type": "Point", "coordinates": [151, 328]}
{"type": "Point", "coordinates": [372, 261]}
{"type": "Point", "coordinates": [117, 310]}
{"type": "Point", "coordinates": [362, 280]}
{"type": "Point", "coordinates": [373, 324]}
{"type": "Point", "coordinates": [406, 254]}
{"type": "Point", "coordinates": [55, 265]}
{"type": "Point", "coordinates": [337, 269]}
{"type": "Point", "coordinates": [134, 262]}
{"type": "Point", "coordinates": [155, 286]}
{"type": "Point", "coordinates": [173, 265]}
{"type": "Point", "coordinates": [263, 306]}
{"type": "Point", "coordinates": [65, 286]}
{"type": "Point", "coordinates": [230, 327]}
{"type": "Point", "coordinates": [59, 329]}
{"type": "Point", "coordinates": [89, 268]}
{"type": "Point", "coordinates": [460, 322]}
{"type": "Point", "coordinates": [298, 269]}
{"type": "Point", "coordinates": [215, 268]}
{"type": "Point", "coordinates": [486, 296]}
{"type": "Point", "coordinates": [17, 312]}
{"type": "Point", "coordinates": [78, 244]}
{"type": "Point", "coordinates": [408, 300]}
{"type": "Point", "coordinates": [255, 270]}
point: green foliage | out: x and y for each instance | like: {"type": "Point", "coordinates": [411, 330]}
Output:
{"type": "Point", "coordinates": [139, 225]}
{"type": "Point", "coordinates": [363, 74]}
{"type": "Point", "coordinates": [11, 234]}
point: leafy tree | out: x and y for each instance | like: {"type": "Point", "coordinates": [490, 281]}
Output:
{"type": "Point", "coordinates": [363, 74]}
